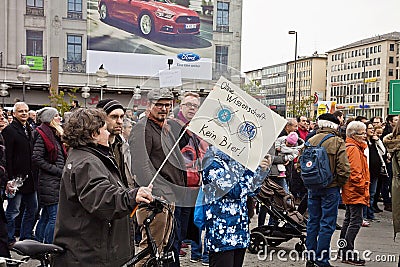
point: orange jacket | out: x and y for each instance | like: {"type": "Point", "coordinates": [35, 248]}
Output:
{"type": "Point", "coordinates": [356, 190]}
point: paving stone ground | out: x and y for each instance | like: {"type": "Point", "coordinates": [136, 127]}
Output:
{"type": "Point", "coordinates": [376, 241]}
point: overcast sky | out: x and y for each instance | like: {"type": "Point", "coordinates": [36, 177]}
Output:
{"type": "Point", "coordinates": [320, 25]}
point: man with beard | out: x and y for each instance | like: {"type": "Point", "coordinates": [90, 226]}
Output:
{"type": "Point", "coordinates": [151, 139]}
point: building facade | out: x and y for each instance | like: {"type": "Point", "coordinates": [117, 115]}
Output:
{"type": "Point", "coordinates": [277, 85]}
{"type": "Point", "coordinates": [51, 36]}
{"type": "Point", "coordinates": [359, 74]}
{"type": "Point", "coordinates": [273, 83]}
{"type": "Point", "coordinates": [310, 81]}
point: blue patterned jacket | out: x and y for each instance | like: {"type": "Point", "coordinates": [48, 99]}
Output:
{"type": "Point", "coordinates": [226, 185]}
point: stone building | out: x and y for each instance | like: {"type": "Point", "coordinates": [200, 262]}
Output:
{"type": "Point", "coordinates": [359, 74]}
{"type": "Point", "coordinates": [53, 37]}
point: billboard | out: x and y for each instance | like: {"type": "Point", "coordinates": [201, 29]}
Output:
{"type": "Point", "coordinates": [137, 38]}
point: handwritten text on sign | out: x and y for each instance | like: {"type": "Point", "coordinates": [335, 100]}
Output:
{"type": "Point", "coordinates": [237, 124]}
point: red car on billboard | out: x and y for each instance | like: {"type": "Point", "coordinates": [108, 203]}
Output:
{"type": "Point", "coordinates": [152, 16]}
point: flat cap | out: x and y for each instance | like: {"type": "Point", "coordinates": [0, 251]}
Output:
{"type": "Point", "coordinates": [160, 93]}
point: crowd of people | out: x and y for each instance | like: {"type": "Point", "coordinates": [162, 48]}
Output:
{"type": "Point", "coordinates": [75, 181]}
{"type": "Point", "coordinates": [361, 156]}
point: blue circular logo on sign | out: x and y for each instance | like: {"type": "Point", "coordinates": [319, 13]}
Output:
{"type": "Point", "coordinates": [247, 131]}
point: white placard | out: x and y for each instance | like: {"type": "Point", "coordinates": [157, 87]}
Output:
{"type": "Point", "coordinates": [170, 78]}
{"type": "Point", "coordinates": [237, 124]}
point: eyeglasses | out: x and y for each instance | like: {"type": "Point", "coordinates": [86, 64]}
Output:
{"type": "Point", "coordinates": [371, 129]}
{"type": "Point", "coordinates": [190, 105]}
{"type": "Point", "coordinates": [161, 105]}
{"type": "Point", "coordinates": [361, 133]}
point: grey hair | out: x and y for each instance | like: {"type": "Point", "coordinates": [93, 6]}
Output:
{"type": "Point", "coordinates": [354, 127]}
{"type": "Point", "coordinates": [327, 124]}
{"type": "Point", "coordinates": [127, 122]}
{"type": "Point", "coordinates": [19, 104]}
{"type": "Point", "coordinates": [291, 122]}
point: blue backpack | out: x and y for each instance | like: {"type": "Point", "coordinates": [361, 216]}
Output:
{"type": "Point", "coordinates": [315, 168]}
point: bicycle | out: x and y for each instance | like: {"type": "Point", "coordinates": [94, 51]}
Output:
{"type": "Point", "coordinates": [32, 249]}
{"type": "Point", "coordinates": [155, 259]}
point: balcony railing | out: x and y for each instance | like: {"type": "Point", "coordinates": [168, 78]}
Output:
{"type": "Point", "coordinates": [35, 11]}
{"type": "Point", "coordinates": [74, 15]}
{"type": "Point", "coordinates": [222, 28]}
{"type": "Point", "coordinates": [35, 62]}
{"type": "Point", "coordinates": [79, 67]}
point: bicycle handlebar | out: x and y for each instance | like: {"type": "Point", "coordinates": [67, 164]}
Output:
{"type": "Point", "coordinates": [157, 205]}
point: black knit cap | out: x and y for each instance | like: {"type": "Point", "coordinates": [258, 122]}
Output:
{"type": "Point", "coordinates": [108, 105]}
{"type": "Point", "coordinates": [329, 117]}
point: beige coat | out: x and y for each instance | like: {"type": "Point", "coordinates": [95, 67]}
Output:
{"type": "Point", "coordinates": [393, 146]}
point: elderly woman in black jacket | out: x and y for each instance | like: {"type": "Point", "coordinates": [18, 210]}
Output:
{"type": "Point", "coordinates": [93, 218]}
{"type": "Point", "coordinates": [49, 156]}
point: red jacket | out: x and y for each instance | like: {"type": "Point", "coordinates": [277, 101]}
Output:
{"type": "Point", "coordinates": [356, 190]}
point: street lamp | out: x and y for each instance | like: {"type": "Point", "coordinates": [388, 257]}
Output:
{"type": "Point", "coordinates": [295, 71]}
{"type": "Point", "coordinates": [102, 74]}
{"type": "Point", "coordinates": [364, 83]}
{"type": "Point", "coordinates": [23, 77]}
{"type": "Point", "coordinates": [3, 91]}
{"type": "Point", "coordinates": [85, 93]}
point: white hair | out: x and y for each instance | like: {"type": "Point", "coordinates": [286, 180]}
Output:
{"type": "Point", "coordinates": [327, 124]}
{"type": "Point", "coordinates": [19, 104]}
{"type": "Point", "coordinates": [354, 127]}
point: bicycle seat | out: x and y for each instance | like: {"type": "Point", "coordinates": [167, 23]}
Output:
{"type": "Point", "coordinates": [35, 249]}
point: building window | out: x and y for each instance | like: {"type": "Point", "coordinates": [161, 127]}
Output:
{"type": "Point", "coordinates": [221, 58]}
{"type": "Point", "coordinates": [223, 16]}
{"type": "Point", "coordinates": [391, 59]}
{"type": "Point", "coordinates": [391, 47]}
{"type": "Point", "coordinates": [390, 72]}
{"type": "Point", "coordinates": [74, 5]}
{"type": "Point", "coordinates": [34, 3]}
{"type": "Point", "coordinates": [34, 7]}
{"type": "Point", "coordinates": [34, 43]}
{"type": "Point", "coordinates": [75, 9]}
{"type": "Point", "coordinates": [74, 48]}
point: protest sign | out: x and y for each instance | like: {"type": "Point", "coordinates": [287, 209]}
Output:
{"type": "Point", "coordinates": [326, 107]}
{"type": "Point", "coordinates": [237, 124]}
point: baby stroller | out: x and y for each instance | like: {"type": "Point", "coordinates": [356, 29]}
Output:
{"type": "Point", "coordinates": [288, 223]}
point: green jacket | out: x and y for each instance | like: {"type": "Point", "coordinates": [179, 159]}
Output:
{"type": "Point", "coordinates": [336, 149]}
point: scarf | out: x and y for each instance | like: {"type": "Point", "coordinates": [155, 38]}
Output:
{"type": "Point", "coordinates": [50, 142]}
{"type": "Point", "coordinates": [182, 118]}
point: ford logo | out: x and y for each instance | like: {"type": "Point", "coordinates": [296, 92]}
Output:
{"type": "Point", "coordinates": [188, 56]}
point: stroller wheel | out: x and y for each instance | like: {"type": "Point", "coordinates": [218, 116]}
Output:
{"type": "Point", "coordinates": [300, 247]}
{"type": "Point", "coordinates": [258, 243]}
